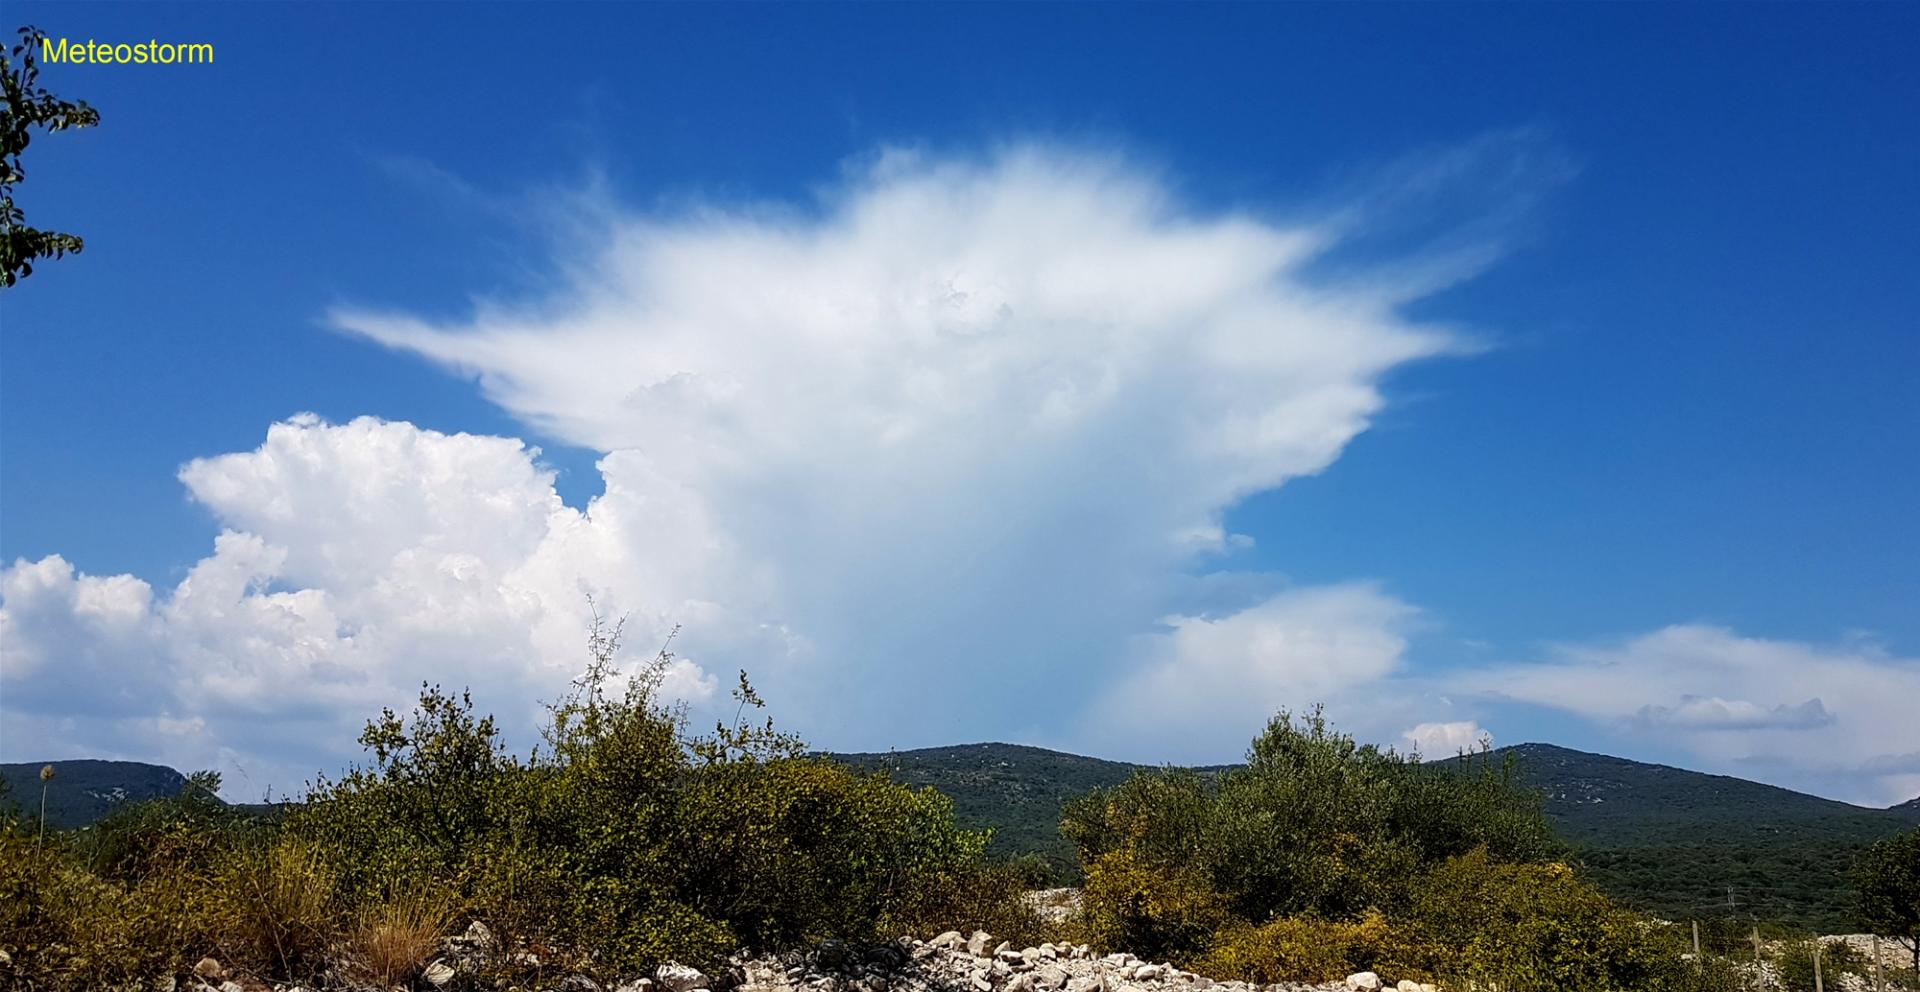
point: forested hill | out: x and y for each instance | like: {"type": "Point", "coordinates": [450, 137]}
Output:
{"type": "Point", "coordinates": [1015, 789]}
{"type": "Point", "coordinates": [1685, 844]}
{"type": "Point", "coordinates": [1663, 839]}
{"type": "Point", "coordinates": [84, 790]}
{"type": "Point", "coordinates": [1598, 798]}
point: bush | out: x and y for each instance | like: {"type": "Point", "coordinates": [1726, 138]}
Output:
{"type": "Point", "coordinates": [1156, 910]}
{"type": "Point", "coordinates": [1323, 856]}
{"type": "Point", "coordinates": [622, 842]}
{"type": "Point", "coordinates": [974, 894]}
{"type": "Point", "coordinates": [1476, 920]}
{"type": "Point", "coordinates": [1315, 824]}
{"type": "Point", "coordinates": [1793, 963]}
{"type": "Point", "coordinates": [67, 926]}
{"type": "Point", "coordinates": [1304, 948]}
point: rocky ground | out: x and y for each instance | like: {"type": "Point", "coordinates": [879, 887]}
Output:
{"type": "Point", "coordinates": [950, 962]}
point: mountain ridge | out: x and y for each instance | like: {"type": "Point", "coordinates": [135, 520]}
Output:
{"type": "Point", "coordinates": [1657, 837]}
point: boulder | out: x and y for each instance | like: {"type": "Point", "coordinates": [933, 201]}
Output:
{"type": "Point", "coordinates": [1149, 973]}
{"type": "Point", "coordinates": [676, 977]}
{"type": "Point", "coordinates": [1365, 981]}
{"type": "Point", "coordinates": [1051, 977]}
{"type": "Point", "coordinates": [479, 937]}
{"type": "Point", "coordinates": [438, 974]}
{"type": "Point", "coordinates": [978, 944]}
{"type": "Point", "coordinates": [1406, 985]}
{"type": "Point", "coordinates": [209, 969]}
{"type": "Point", "coordinates": [951, 940]}
{"type": "Point", "coordinates": [1022, 982]}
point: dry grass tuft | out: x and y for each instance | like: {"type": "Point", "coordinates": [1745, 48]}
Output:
{"type": "Point", "coordinates": [395, 939]}
{"type": "Point", "coordinates": [283, 896]}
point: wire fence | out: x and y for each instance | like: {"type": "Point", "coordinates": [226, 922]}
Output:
{"type": "Point", "coordinates": [1743, 934]}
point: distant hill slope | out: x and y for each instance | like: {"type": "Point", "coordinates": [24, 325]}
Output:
{"type": "Point", "coordinates": [1667, 840]}
{"type": "Point", "coordinates": [1687, 844]}
{"type": "Point", "coordinates": [84, 790]}
{"type": "Point", "coordinates": [1596, 797]}
{"type": "Point", "coordinates": [1015, 789]}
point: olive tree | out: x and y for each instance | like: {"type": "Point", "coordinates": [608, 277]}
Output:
{"type": "Point", "coordinates": [1886, 878]}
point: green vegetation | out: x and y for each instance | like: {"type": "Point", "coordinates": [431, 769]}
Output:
{"type": "Point", "coordinates": [1322, 856]}
{"type": "Point", "coordinates": [1673, 843]}
{"type": "Point", "coordinates": [625, 840]}
{"type": "Point", "coordinates": [1017, 792]}
{"type": "Point", "coordinates": [1683, 845]}
{"type": "Point", "coordinates": [622, 842]}
{"type": "Point", "coordinates": [1661, 840]}
{"type": "Point", "coordinates": [29, 106]}
{"type": "Point", "coordinates": [84, 791]}
{"type": "Point", "coordinates": [1887, 878]}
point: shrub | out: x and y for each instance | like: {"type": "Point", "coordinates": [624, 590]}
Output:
{"type": "Point", "coordinates": [1476, 920]}
{"type": "Point", "coordinates": [1155, 910]}
{"type": "Point", "coordinates": [1314, 824]}
{"type": "Point", "coordinates": [630, 838]}
{"type": "Point", "coordinates": [1886, 881]}
{"type": "Point", "coordinates": [622, 842]}
{"type": "Point", "coordinates": [68, 927]}
{"type": "Point", "coordinates": [1323, 856]}
{"type": "Point", "coordinates": [1304, 948]}
{"type": "Point", "coordinates": [971, 894]}
{"type": "Point", "coordinates": [1793, 963]}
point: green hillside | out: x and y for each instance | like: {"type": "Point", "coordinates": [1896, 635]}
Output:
{"type": "Point", "coordinates": [1666, 840]}
{"type": "Point", "coordinates": [1689, 845]}
{"type": "Point", "coordinates": [1014, 789]}
{"type": "Point", "coordinates": [84, 790]}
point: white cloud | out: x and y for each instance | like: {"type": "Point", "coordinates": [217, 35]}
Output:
{"type": "Point", "coordinates": [1714, 713]}
{"type": "Point", "coordinates": [1441, 740]}
{"type": "Point", "coordinates": [1827, 718]}
{"type": "Point", "coordinates": [1206, 685]}
{"type": "Point", "coordinates": [932, 448]}
{"type": "Point", "coordinates": [967, 420]}
{"type": "Point", "coordinates": [375, 556]}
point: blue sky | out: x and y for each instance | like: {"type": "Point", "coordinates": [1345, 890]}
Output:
{"type": "Point", "coordinates": [1629, 462]}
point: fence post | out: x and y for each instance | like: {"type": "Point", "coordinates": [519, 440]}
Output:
{"type": "Point", "coordinates": [1818, 985]}
{"type": "Point", "coordinates": [1877, 987]}
{"type": "Point", "coordinates": [1696, 942]}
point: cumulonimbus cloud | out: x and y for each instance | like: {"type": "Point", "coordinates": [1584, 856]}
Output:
{"type": "Point", "coordinates": [935, 453]}
{"type": "Point", "coordinates": [934, 446]}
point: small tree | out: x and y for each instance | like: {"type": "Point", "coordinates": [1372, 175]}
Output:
{"type": "Point", "coordinates": [28, 106]}
{"type": "Point", "coordinates": [1887, 880]}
